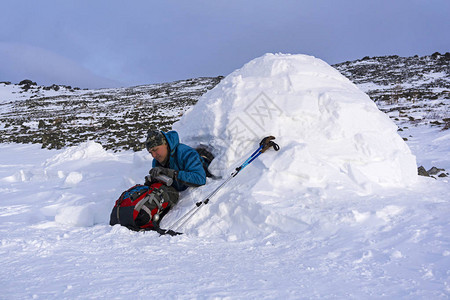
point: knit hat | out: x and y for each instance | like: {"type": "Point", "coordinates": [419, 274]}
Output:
{"type": "Point", "coordinates": [154, 138]}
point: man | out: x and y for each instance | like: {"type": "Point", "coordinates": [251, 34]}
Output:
{"type": "Point", "coordinates": [175, 160]}
{"type": "Point", "coordinates": [170, 158]}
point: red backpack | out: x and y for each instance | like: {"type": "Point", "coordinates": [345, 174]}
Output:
{"type": "Point", "coordinates": [141, 207]}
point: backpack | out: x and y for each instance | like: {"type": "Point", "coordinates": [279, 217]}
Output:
{"type": "Point", "coordinates": [142, 207]}
{"type": "Point", "coordinates": [206, 157]}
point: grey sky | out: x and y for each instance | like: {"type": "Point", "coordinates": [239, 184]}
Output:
{"type": "Point", "coordinates": [123, 43]}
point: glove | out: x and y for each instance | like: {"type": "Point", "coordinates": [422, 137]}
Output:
{"type": "Point", "coordinates": [156, 171]}
{"type": "Point", "coordinates": [148, 180]}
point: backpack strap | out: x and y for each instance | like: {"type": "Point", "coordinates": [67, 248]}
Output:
{"type": "Point", "coordinates": [140, 205]}
{"type": "Point", "coordinates": [156, 196]}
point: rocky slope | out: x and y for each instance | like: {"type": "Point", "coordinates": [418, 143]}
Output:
{"type": "Point", "coordinates": [411, 90]}
{"type": "Point", "coordinates": [60, 116]}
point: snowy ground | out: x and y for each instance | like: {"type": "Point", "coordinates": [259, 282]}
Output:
{"type": "Point", "coordinates": [338, 212]}
{"type": "Point", "coordinates": [394, 243]}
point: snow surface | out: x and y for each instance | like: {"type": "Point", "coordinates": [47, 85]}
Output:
{"type": "Point", "coordinates": [293, 224]}
{"type": "Point", "coordinates": [13, 92]}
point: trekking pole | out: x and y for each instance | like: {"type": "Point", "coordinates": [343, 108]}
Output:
{"type": "Point", "coordinates": [265, 144]}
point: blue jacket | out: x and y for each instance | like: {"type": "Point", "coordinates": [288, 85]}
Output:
{"type": "Point", "coordinates": [186, 161]}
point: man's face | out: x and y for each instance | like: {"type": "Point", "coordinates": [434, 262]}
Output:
{"type": "Point", "coordinates": [159, 153]}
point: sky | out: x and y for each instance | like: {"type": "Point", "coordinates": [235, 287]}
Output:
{"type": "Point", "coordinates": [96, 44]}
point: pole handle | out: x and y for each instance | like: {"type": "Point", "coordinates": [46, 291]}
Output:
{"type": "Point", "coordinates": [268, 142]}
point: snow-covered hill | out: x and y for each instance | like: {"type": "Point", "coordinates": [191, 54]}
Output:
{"type": "Point", "coordinates": [295, 224]}
{"type": "Point", "coordinates": [59, 116]}
{"type": "Point", "coordinates": [412, 90]}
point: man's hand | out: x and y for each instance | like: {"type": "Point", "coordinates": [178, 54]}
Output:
{"type": "Point", "coordinates": [156, 171]}
{"type": "Point", "coordinates": [148, 180]}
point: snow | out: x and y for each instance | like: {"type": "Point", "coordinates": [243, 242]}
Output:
{"type": "Point", "coordinates": [307, 221]}
{"type": "Point", "coordinates": [329, 129]}
{"type": "Point", "coordinates": [13, 92]}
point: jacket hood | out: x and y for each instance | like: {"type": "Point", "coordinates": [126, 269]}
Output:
{"type": "Point", "coordinates": [173, 140]}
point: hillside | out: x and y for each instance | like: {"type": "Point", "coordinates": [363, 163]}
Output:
{"type": "Point", "coordinates": [411, 90]}
{"type": "Point", "coordinates": [60, 116]}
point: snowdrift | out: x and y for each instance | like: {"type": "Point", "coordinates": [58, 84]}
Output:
{"type": "Point", "coordinates": [332, 137]}
{"type": "Point", "coordinates": [76, 186]}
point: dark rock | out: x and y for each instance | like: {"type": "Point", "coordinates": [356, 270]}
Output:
{"type": "Point", "coordinates": [435, 171]}
{"type": "Point", "coordinates": [435, 55]}
{"type": "Point", "coordinates": [422, 172]}
{"type": "Point", "coordinates": [27, 82]}
{"type": "Point", "coordinates": [52, 87]}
